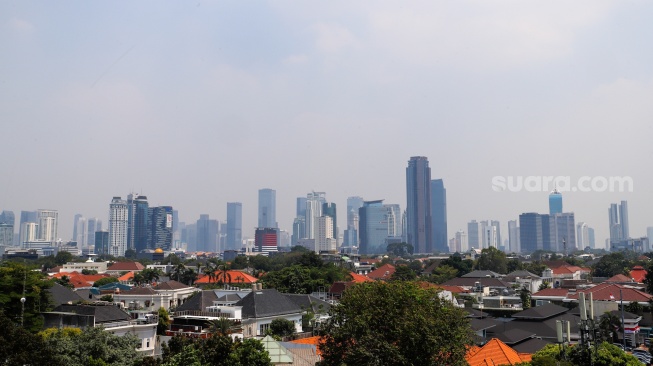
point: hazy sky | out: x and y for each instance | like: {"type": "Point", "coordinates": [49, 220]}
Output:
{"type": "Point", "coordinates": [196, 104]}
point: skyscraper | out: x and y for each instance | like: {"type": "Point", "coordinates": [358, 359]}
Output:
{"type": "Point", "coordinates": [118, 222]}
{"type": "Point", "coordinates": [160, 228]}
{"type": "Point", "coordinates": [92, 225]}
{"type": "Point", "coordinates": [513, 236]}
{"type": "Point", "coordinates": [418, 207]}
{"type": "Point", "coordinates": [324, 240]}
{"type": "Point", "coordinates": [265, 239]}
{"type": "Point", "coordinates": [7, 221]}
{"type": "Point", "coordinates": [555, 202]}
{"type": "Point", "coordinates": [80, 234]}
{"type": "Point", "coordinates": [474, 235]}
{"type": "Point", "coordinates": [623, 219]}
{"type": "Point", "coordinates": [329, 209]}
{"type": "Point", "coordinates": [460, 242]}
{"type": "Point", "coordinates": [207, 234]}
{"type": "Point", "coordinates": [351, 232]}
{"type": "Point", "coordinates": [301, 206]}
{"type": "Point", "coordinates": [439, 216]}
{"type": "Point", "coordinates": [618, 218]}
{"type": "Point", "coordinates": [314, 201]}
{"type": "Point", "coordinates": [141, 228]}
{"type": "Point", "coordinates": [373, 227]}
{"type": "Point", "coordinates": [530, 232]}
{"type": "Point", "coordinates": [267, 206]}
{"type": "Point", "coordinates": [48, 221]}
{"type": "Point", "coordinates": [234, 226]}
{"type": "Point", "coordinates": [582, 235]}
{"type": "Point", "coordinates": [101, 242]}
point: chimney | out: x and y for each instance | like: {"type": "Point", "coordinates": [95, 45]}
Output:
{"type": "Point", "coordinates": [253, 287]}
{"type": "Point", "coordinates": [259, 286]}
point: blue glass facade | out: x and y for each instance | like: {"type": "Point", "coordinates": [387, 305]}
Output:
{"type": "Point", "coordinates": [234, 226]}
{"type": "Point", "coordinates": [439, 216]}
{"type": "Point", "coordinates": [418, 207]}
{"type": "Point", "coordinates": [555, 203]}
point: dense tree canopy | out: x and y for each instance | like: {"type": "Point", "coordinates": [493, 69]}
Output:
{"type": "Point", "coordinates": [606, 354]}
{"type": "Point", "coordinates": [216, 350]}
{"type": "Point", "coordinates": [611, 264]}
{"type": "Point", "coordinates": [462, 266]}
{"type": "Point", "coordinates": [18, 280]}
{"type": "Point", "coordinates": [400, 249]}
{"type": "Point", "coordinates": [394, 323]}
{"type": "Point", "coordinates": [299, 279]}
{"type": "Point", "coordinates": [91, 346]}
{"type": "Point", "coordinates": [492, 259]}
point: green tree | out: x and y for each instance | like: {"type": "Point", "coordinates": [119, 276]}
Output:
{"type": "Point", "coordinates": [64, 281]}
{"type": "Point", "coordinates": [606, 355]}
{"type": "Point", "coordinates": [92, 346]}
{"type": "Point", "coordinates": [407, 325]}
{"type": "Point", "coordinates": [443, 273]}
{"type": "Point", "coordinates": [400, 249]}
{"type": "Point", "coordinates": [20, 347]}
{"type": "Point", "coordinates": [63, 257]}
{"type": "Point", "coordinates": [86, 271]}
{"type": "Point", "coordinates": [250, 352]}
{"type": "Point", "coordinates": [130, 254]}
{"type": "Point", "coordinates": [463, 266]}
{"type": "Point", "coordinates": [221, 326]}
{"type": "Point", "coordinates": [403, 273]}
{"type": "Point", "coordinates": [525, 297]}
{"type": "Point", "coordinates": [17, 281]}
{"type": "Point", "coordinates": [282, 328]}
{"type": "Point", "coordinates": [544, 285]}
{"type": "Point", "coordinates": [492, 259]}
{"type": "Point", "coordinates": [648, 280]}
{"type": "Point", "coordinates": [611, 264]}
{"type": "Point", "coordinates": [164, 321]}
{"type": "Point", "coordinates": [105, 281]}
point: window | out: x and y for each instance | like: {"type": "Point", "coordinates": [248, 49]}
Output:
{"type": "Point", "coordinates": [147, 343]}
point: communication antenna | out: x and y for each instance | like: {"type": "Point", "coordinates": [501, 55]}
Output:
{"type": "Point", "coordinates": [22, 301]}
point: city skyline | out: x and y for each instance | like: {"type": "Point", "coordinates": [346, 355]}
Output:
{"type": "Point", "coordinates": [482, 89]}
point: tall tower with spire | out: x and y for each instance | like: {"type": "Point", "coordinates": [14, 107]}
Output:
{"type": "Point", "coordinates": [555, 202]}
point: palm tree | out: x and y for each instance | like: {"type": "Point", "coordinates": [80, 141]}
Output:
{"type": "Point", "coordinates": [221, 326]}
{"type": "Point", "coordinates": [178, 272]}
{"type": "Point", "coordinates": [223, 276]}
{"type": "Point", "coordinates": [209, 271]}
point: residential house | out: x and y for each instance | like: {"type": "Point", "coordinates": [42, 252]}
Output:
{"type": "Point", "coordinates": [166, 294]}
{"type": "Point", "coordinates": [118, 268]}
{"type": "Point", "coordinates": [382, 273]}
{"type": "Point", "coordinates": [108, 316]}
{"type": "Point", "coordinates": [495, 352]}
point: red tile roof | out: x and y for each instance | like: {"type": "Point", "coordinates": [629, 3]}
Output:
{"type": "Point", "coordinates": [126, 266]}
{"type": "Point", "coordinates": [315, 341]}
{"type": "Point", "coordinates": [236, 277]}
{"type": "Point", "coordinates": [382, 273]}
{"type": "Point", "coordinates": [356, 278]}
{"type": "Point", "coordinates": [495, 352]}
{"type": "Point", "coordinates": [79, 280]}
{"type": "Point", "coordinates": [619, 278]}
{"type": "Point", "coordinates": [126, 277]}
{"type": "Point", "coordinates": [610, 292]}
{"type": "Point", "coordinates": [638, 274]}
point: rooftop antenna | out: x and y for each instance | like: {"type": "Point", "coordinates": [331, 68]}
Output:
{"type": "Point", "coordinates": [22, 302]}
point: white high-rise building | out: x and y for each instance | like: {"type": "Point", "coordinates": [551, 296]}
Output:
{"type": "Point", "coordinates": [462, 244]}
{"type": "Point", "coordinates": [490, 238]}
{"type": "Point", "coordinates": [48, 220]}
{"type": "Point", "coordinates": [394, 220]}
{"type": "Point", "coordinates": [324, 240]}
{"type": "Point", "coordinates": [314, 202]}
{"type": "Point", "coordinates": [513, 236]}
{"type": "Point", "coordinates": [582, 235]}
{"type": "Point", "coordinates": [81, 234]}
{"type": "Point", "coordinates": [28, 233]}
{"type": "Point", "coordinates": [118, 222]}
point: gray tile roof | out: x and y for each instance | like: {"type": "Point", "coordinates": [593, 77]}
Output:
{"type": "Point", "coordinates": [62, 295]}
{"type": "Point", "coordinates": [541, 312]}
{"type": "Point", "coordinates": [199, 301]}
{"type": "Point", "coordinates": [170, 285]}
{"type": "Point", "coordinates": [305, 301]}
{"type": "Point", "coordinates": [470, 281]}
{"type": "Point", "coordinates": [102, 313]}
{"type": "Point", "coordinates": [265, 303]}
{"type": "Point", "coordinates": [530, 345]}
{"type": "Point", "coordinates": [481, 274]}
